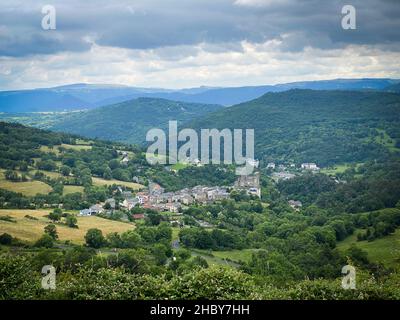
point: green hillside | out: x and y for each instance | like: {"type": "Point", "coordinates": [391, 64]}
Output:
{"type": "Point", "coordinates": [384, 250]}
{"type": "Point", "coordinates": [129, 121]}
{"type": "Point", "coordinates": [326, 127]}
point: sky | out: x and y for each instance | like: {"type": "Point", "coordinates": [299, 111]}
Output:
{"type": "Point", "coordinates": [190, 43]}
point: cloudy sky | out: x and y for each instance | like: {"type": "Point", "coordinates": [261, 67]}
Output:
{"type": "Point", "coordinates": [188, 43]}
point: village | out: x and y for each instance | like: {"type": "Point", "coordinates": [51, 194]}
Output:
{"type": "Point", "coordinates": [157, 199]}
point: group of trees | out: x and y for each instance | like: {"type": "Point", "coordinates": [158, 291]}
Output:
{"type": "Point", "coordinates": [188, 177]}
{"type": "Point", "coordinates": [69, 219]}
{"type": "Point", "coordinates": [142, 236]}
{"type": "Point", "coordinates": [14, 176]}
{"type": "Point", "coordinates": [378, 224]}
{"type": "Point", "coordinates": [372, 186]}
{"type": "Point", "coordinates": [214, 239]}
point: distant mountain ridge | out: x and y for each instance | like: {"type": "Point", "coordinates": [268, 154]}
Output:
{"type": "Point", "coordinates": [89, 96]}
{"type": "Point", "coordinates": [129, 121]}
{"type": "Point", "coordinates": [322, 126]}
{"type": "Point", "coordinates": [294, 126]}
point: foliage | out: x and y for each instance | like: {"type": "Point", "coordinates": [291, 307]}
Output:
{"type": "Point", "coordinates": [46, 241]}
{"type": "Point", "coordinates": [51, 230]}
{"type": "Point", "coordinates": [94, 238]}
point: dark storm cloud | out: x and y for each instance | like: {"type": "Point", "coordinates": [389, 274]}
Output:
{"type": "Point", "coordinates": [154, 24]}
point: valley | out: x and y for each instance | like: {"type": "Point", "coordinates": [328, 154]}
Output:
{"type": "Point", "coordinates": [325, 191]}
{"type": "Point", "coordinates": [200, 157]}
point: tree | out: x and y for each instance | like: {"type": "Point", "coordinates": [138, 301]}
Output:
{"type": "Point", "coordinates": [71, 221]}
{"type": "Point", "coordinates": [200, 261]}
{"type": "Point", "coordinates": [46, 241]}
{"type": "Point", "coordinates": [94, 238]}
{"type": "Point", "coordinates": [51, 230]}
{"type": "Point", "coordinates": [65, 170]}
{"type": "Point", "coordinates": [153, 218]}
{"type": "Point", "coordinates": [12, 176]}
{"type": "Point", "coordinates": [107, 174]}
{"type": "Point", "coordinates": [114, 240]}
{"type": "Point", "coordinates": [55, 215]}
{"type": "Point", "coordinates": [159, 252]}
{"type": "Point", "coordinates": [48, 165]}
{"type": "Point", "coordinates": [6, 239]}
{"type": "Point", "coordinates": [18, 279]}
{"type": "Point", "coordinates": [130, 239]}
{"type": "Point", "coordinates": [358, 255]}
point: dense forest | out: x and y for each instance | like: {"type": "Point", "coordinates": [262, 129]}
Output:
{"type": "Point", "coordinates": [325, 127]}
{"type": "Point", "coordinates": [130, 120]}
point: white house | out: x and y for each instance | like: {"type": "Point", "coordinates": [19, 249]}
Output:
{"type": "Point", "coordinates": [252, 162]}
{"type": "Point", "coordinates": [129, 203]}
{"type": "Point", "coordinates": [271, 165]}
{"type": "Point", "coordinates": [309, 166]}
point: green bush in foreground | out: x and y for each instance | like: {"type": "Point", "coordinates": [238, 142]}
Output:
{"type": "Point", "coordinates": [18, 280]}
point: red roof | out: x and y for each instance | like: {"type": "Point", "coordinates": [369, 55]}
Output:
{"type": "Point", "coordinates": [138, 216]}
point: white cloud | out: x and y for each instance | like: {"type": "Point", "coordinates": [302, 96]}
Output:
{"type": "Point", "coordinates": [259, 3]}
{"type": "Point", "coordinates": [245, 63]}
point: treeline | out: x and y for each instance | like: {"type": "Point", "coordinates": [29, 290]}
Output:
{"type": "Point", "coordinates": [326, 127]}
{"type": "Point", "coordinates": [372, 186]}
{"type": "Point", "coordinates": [378, 224]}
{"type": "Point", "coordinates": [209, 175]}
{"type": "Point", "coordinates": [215, 239]}
{"type": "Point", "coordinates": [81, 275]}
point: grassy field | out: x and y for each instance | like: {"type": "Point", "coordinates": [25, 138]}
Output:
{"type": "Point", "coordinates": [50, 174]}
{"type": "Point", "coordinates": [384, 139]}
{"type": "Point", "coordinates": [50, 150]}
{"type": "Point", "coordinates": [385, 250]}
{"type": "Point", "coordinates": [213, 259]}
{"type": "Point", "coordinates": [340, 168]}
{"type": "Point", "coordinates": [83, 142]}
{"type": "Point", "coordinates": [103, 182]}
{"type": "Point", "coordinates": [235, 255]}
{"type": "Point", "coordinates": [31, 230]}
{"type": "Point", "coordinates": [72, 189]}
{"type": "Point", "coordinates": [77, 147]}
{"type": "Point", "coordinates": [27, 188]}
{"type": "Point", "coordinates": [178, 166]}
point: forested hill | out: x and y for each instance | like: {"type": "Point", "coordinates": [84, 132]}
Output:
{"type": "Point", "coordinates": [325, 127]}
{"type": "Point", "coordinates": [393, 88]}
{"type": "Point", "coordinates": [129, 121]}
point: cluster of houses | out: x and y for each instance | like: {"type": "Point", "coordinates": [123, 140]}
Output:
{"type": "Point", "coordinates": [157, 199]}
{"type": "Point", "coordinates": [93, 210]}
{"type": "Point", "coordinates": [278, 176]}
{"type": "Point", "coordinates": [304, 166]}
{"type": "Point", "coordinates": [309, 166]}
{"type": "Point", "coordinates": [286, 172]}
